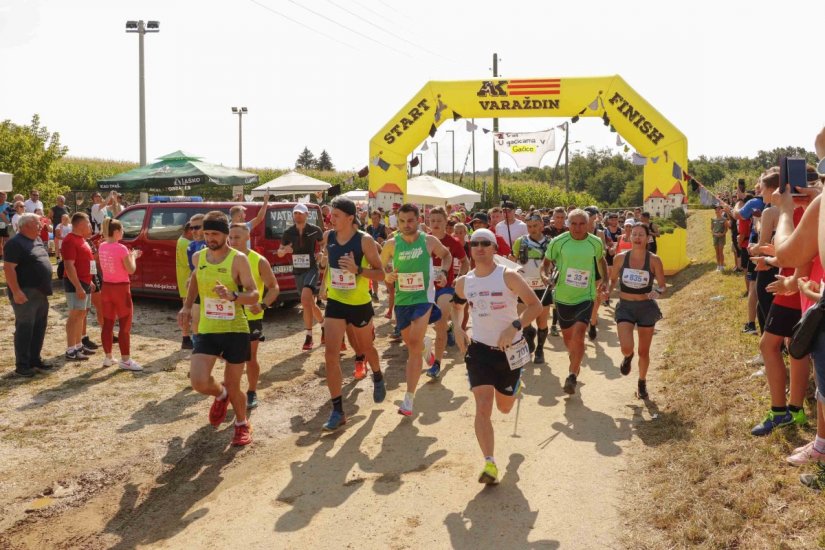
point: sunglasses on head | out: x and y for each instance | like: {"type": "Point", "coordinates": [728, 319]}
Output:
{"type": "Point", "coordinates": [482, 244]}
{"type": "Point", "coordinates": [195, 226]}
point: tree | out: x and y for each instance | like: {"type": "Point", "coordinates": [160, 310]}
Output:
{"type": "Point", "coordinates": [306, 160]}
{"type": "Point", "coordinates": [29, 153]}
{"type": "Point", "coordinates": [324, 162]}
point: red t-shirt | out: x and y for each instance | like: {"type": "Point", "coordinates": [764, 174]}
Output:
{"type": "Point", "coordinates": [457, 251]}
{"type": "Point", "coordinates": [44, 232]}
{"type": "Point", "coordinates": [503, 247]}
{"type": "Point", "coordinates": [817, 274]}
{"type": "Point", "coordinates": [792, 301]}
{"type": "Point", "coordinates": [76, 248]}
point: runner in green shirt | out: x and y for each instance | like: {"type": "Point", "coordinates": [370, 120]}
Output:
{"type": "Point", "coordinates": [582, 271]}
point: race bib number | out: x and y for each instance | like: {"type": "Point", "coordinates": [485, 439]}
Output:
{"type": "Point", "coordinates": [635, 278]}
{"type": "Point", "coordinates": [535, 282]}
{"type": "Point", "coordinates": [577, 278]}
{"type": "Point", "coordinates": [456, 266]}
{"type": "Point", "coordinates": [518, 354]}
{"type": "Point", "coordinates": [410, 282]}
{"type": "Point", "coordinates": [93, 267]}
{"type": "Point", "coordinates": [300, 261]}
{"type": "Point", "coordinates": [221, 310]}
{"type": "Point", "coordinates": [341, 279]}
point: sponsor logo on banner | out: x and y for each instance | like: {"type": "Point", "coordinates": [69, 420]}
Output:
{"type": "Point", "coordinates": [406, 121]}
{"type": "Point", "coordinates": [638, 119]}
{"type": "Point", "coordinates": [181, 182]}
{"type": "Point", "coordinates": [515, 89]}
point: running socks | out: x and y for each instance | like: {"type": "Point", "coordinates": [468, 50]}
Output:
{"type": "Point", "coordinates": [542, 337]}
{"type": "Point", "coordinates": [819, 444]}
{"type": "Point", "coordinates": [224, 394]}
{"type": "Point", "coordinates": [377, 376]}
{"type": "Point", "coordinates": [779, 410]}
{"type": "Point", "coordinates": [338, 404]}
{"type": "Point", "coordinates": [793, 408]}
{"type": "Point", "coordinates": [490, 459]}
{"type": "Point", "coordinates": [309, 332]}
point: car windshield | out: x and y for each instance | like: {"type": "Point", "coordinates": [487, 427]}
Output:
{"type": "Point", "coordinates": [280, 218]}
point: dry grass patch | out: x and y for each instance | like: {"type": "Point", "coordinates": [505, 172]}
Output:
{"type": "Point", "coordinates": [701, 479]}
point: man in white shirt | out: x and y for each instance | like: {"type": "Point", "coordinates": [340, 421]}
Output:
{"type": "Point", "coordinates": [517, 228]}
{"type": "Point", "coordinates": [33, 202]}
{"type": "Point", "coordinates": [99, 211]}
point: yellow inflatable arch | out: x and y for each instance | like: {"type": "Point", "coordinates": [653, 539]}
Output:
{"type": "Point", "coordinates": [642, 126]}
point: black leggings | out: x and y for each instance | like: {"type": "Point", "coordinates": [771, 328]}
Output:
{"type": "Point", "coordinates": [764, 299]}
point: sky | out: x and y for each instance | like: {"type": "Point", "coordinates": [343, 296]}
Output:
{"type": "Point", "coordinates": [735, 77]}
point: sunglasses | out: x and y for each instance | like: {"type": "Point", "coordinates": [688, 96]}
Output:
{"type": "Point", "coordinates": [195, 226]}
{"type": "Point", "coordinates": [482, 244]}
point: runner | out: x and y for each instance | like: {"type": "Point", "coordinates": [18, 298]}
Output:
{"type": "Point", "coordinates": [578, 256]}
{"type": "Point", "coordinates": [223, 329]}
{"type": "Point", "coordinates": [268, 291]}
{"type": "Point", "coordinates": [302, 240]}
{"type": "Point", "coordinates": [352, 260]}
{"type": "Point", "coordinates": [497, 351]}
{"type": "Point", "coordinates": [719, 227]}
{"type": "Point", "coordinates": [412, 273]}
{"type": "Point", "coordinates": [444, 293]}
{"type": "Point", "coordinates": [182, 273]}
{"type": "Point", "coordinates": [529, 251]}
{"type": "Point", "coordinates": [636, 270]}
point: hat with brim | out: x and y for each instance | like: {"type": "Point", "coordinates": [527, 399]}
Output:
{"type": "Point", "coordinates": [483, 235]}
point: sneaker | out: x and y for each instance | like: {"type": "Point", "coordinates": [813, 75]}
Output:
{"type": "Point", "coordinates": [434, 371]}
{"type": "Point", "coordinates": [627, 362]}
{"type": "Point", "coordinates": [25, 373]}
{"type": "Point", "coordinates": [806, 455]}
{"type": "Point", "coordinates": [803, 447]}
{"type": "Point", "coordinates": [799, 417]}
{"type": "Point", "coordinates": [243, 435]}
{"type": "Point", "coordinates": [429, 356]}
{"type": "Point", "coordinates": [396, 335]}
{"type": "Point", "coordinates": [592, 332]}
{"type": "Point", "coordinates": [76, 355]}
{"type": "Point", "coordinates": [217, 412]}
{"type": "Point", "coordinates": [641, 390]}
{"type": "Point", "coordinates": [41, 365]}
{"type": "Point", "coordinates": [772, 420]}
{"type": "Point", "coordinates": [109, 362]}
{"type": "Point", "coordinates": [489, 475]}
{"type": "Point", "coordinates": [360, 370]}
{"type": "Point", "coordinates": [87, 351]}
{"type": "Point", "coordinates": [570, 384]}
{"type": "Point", "coordinates": [756, 361]}
{"type": "Point", "coordinates": [379, 391]}
{"type": "Point", "coordinates": [336, 420]}
{"type": "Point", "coordinates": [539, 358]}
{"type": "Point", "coordinates": [251, 400]}
{"type": "Point", "coordinates": [749, 328]}
{"type": "Point", "coordinates": [186, 343]}
{"type": "Point", "coordinates": [88, 344]}
{"type": "Point", "coordinates": [406, 407]}
{"type": "Point", "coordinates": [130, 365]}
{"type": "Point", "coordinates": [307, 343]}
{"type": "Point", "coordinates": [554, 330]}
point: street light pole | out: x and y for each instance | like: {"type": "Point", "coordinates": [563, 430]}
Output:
{"type": "Point", "coordinates": [240, 111]}
{"type": "Point", "coordinates": [452, 135]}
{"type": "Point", "coordinates": [141, 29]}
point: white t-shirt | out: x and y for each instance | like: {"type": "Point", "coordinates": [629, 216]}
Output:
{"type": "Point", "coordinates": [98, 215]}
{"type": "Point", "coordinates": [14, 220]}
{"type": "Point", "coordinates": [393, 221]}
{"type": "Point", "coordinates": [517, 229]}
{"type": "Point", "coordinates": [30, 206]}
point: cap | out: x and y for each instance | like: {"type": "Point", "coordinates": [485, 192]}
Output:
{"type": "Point", "coordinates": [481, 217]}
{"type": "Point", "coordinates": [518, 211]}
{"type": "Point", "coordinates": [591, 210]}
{"type": "Point", "coordinates": [629, 221]}
{"type": "Point", "coordinates": [302, 208]}
{"type": "Point", "coordinates": [483, 235]}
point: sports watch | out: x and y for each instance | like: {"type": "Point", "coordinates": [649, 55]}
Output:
{"type": "Point", "coordinates": [517, 324]}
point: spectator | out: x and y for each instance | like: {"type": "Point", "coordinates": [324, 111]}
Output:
{"type": "Point", "coordinates": [6, 212]}
{"type": "Point", "coordinates": [481, 221]}
{"type": "Point", "coordinates": [98, 212]}
{"type": "Point", "coordinates": [28, 273]}
{"type": "Point", "coordinates": [510, 227]}
{"type": "Point", "coordinates": [652, 245]}
{"type": "Point", "coordinates": [19, 210]}
{"type": "Point", "coordinates": [77, 282]}
{"type": "Point", "coordinates": [115, 207]}
{"type": "Point", "coordinates": [60, 231]}
{"type": "Point", "coordinates": [58, 211]}
{"type": "Point", "coordinates": [377, 230]}
{"type": "Point", "coordinates": [45, 227]}
{"type": "Point", "coordinates": [33, 202]}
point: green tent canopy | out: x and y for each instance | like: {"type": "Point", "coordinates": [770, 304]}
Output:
{"type": "Point", "coordinates": [176, 171]}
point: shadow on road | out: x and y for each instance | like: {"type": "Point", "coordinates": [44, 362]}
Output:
{"type": "Point", "coordinates": [584, 424]}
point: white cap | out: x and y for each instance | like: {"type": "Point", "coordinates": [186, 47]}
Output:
{"type": "Point", "coordinates": [630, 221]}
{"type": "Point", "coordinates": [302, 208]}
{"type": "Point", "coordinates": [483, 235]}
{"type": "Point", "coordinates": [518, 212]}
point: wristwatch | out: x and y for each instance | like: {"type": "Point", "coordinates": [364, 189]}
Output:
{"type": "Point", "coordinates": [360, 270]}
{"type": "Point", "coordinates": [517, 324]}
{"type": "Point", "coordinates": [234, 296]}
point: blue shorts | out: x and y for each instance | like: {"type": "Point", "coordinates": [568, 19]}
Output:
{"type": "Point", "coordinates": [405, 315]}
{"type": "Point", "coordinates": [446, 290]}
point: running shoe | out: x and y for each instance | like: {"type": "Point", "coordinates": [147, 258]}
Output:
{"type": "Point", "coordinates": [434, 371]}
{"type": "Point", "coordinates": [76, 355]}
{"type": "Point", "coordinates": [87, 351]}
{"type": "Point", "coordinates": [217, 412]}
{"type": "Point", "coordinates": [87, 343]}
{"type": "Point", "coordinates": [749, 328]}
{"type": "Point", "coordinates": [379, 391]}
{"type": "Point", "coordinates": [592, 333]}
{"type": "Point", "coordinates": [807, 454]}
{"type": "Point", "coordinates": [489, 475]}
{"type": "Point", "coordinates": [26, 373]}
{"type": "Point", "coordinates": [803, 447]}
{"type": "Point", "coordinates": [627, 362]}
{"type": "Point", "coordinates": [243, 435]}
{"type": "Point", "coordinates": [756, 361]}
{"type": "Point", "coordinates": [109, 362]}
{"type": "Point", "coordinates": [799, 417]}
{"type": "Point", "coordinates": [360, 370]}
{"type": "Point", "coordinates": [406, 407]}
{"type": "Point", "coordinates": [539, 358]}
{"type": "Point", "coordinates": [429, 356]}
{"type": "Point", "coordinates": [641, 390]}
{"type": "Point", "coordinates": [42, 366]}
{"type": "Point", "coordinates": [554, 330]}
{"type": "Point", "coordinates": [251, 400]}
{"type": "Point", "coordinates": [336, 420]}
{"type": "Point", "coordinates": [307, 343]}
{"type": "Point", "coordinates": [772, 420]}
{"type": "Point", "coordinates": [396, 335]}
{"type": "Point", "coordinates": [131, 365]}
{"type": "Point", "coordinates": [186, 343]}
{"type": "Point", "coordinates": [570, 384]}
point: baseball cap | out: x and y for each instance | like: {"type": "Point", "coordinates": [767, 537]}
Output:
{"type": "Point", "coordinates": [591, 210]}
{"type": "Point", "coordinates": [483, 235]}
{"type": "Point", "coordinates": [301, 208]}
{"type": "Point", "coordinates": [481, 217]}
{"type": "Point", "coordinates": [629, 221]}
{"type": "Point", "coordinates": [518, 212]}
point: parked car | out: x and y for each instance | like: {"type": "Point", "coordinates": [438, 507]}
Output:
{"type": "Point", "coordinates": [154, 228]}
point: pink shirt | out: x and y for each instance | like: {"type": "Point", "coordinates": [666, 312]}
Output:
{"type": "Point", "coordinates": [111, 262]}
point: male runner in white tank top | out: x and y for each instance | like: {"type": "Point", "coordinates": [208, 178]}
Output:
{"type": "Point", "coordinates": [497, 350]}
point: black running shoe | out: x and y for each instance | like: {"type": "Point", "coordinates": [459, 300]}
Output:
{"type": "Point", "coordinates": [642, 392]}
{"type": "Point", "coordinates": [626, 364]}
{"type": "Point", "coordinates": [539, 358]}
{"type": "Point", "coordinates": [570, 384]}
{"type": "Point", "coordinates": [88, 344]}
{"type": "Point", "coordinates": [591, 333]}
{"type": "Point", "coordinates": [251, 400]}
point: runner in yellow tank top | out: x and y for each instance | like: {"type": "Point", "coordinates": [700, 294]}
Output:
{"type": "Point", "coordinates": [221, 279]}
{"type": "Point", "coordinates": [268, 291]}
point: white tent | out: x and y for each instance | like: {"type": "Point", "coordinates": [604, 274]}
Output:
{"type": "Point", "coordinates": [357, 195]}
{"type": "Point", "coordinates": [5, 182]}
{"type": "Point", "coordinates": [431, 190]}
{"type": "Point", "coordinates": [291, 183]}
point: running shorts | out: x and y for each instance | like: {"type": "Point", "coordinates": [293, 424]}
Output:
{"type": "Point", "coordinates": [256, 330]}
{"type": "Point", "coordinates": [232, 346]}
{"type": "Point", "coordinates": [308, 279]}
{"type": "Point", "coordinates": [782, 320]}
{"type": "Point", "coordinates": [405, 315]}
{"type": "Point", "coordinates": [642, 313]}
{"type": "Point", "coordinates": [578, 313]}
{"type": "Point", "coordinates": [487, 366]}
{"type": "Point", "coordinates": [358, 316]}
{"type": "Point", "coordinates": [442, 291]}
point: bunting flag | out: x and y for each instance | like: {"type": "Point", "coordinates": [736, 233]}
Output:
{"type": "Point", "coordinates": [439, 109]}
{"type": "Point", "coordinates": [654, 159]}
{"type": "Point", "coordinates": [471, 126]}
{"type": "Point", "coordinates": [400, 166]}
{"type": "Point", "coordinates": [638, 160]}
{"type": "Point", "coordinates": [334, 191]}
{"type": "Point", "coordinates": [486, 131]}
{"type": "Point", "coordinates": [456, 116]}
{"type": "Point", "coordinates": [677, 171]}
{"type": "Point", "coordinates": [619, 141]}
{"type": "Point", "coordinates": [383, 164]}
{"type": "Point", "coordinates": [349, 180]}
{"type": "Point", "coordinates": [686, 175]}
{"type": "Point", "coordinates": [364, 172]}
{"type": "Point", "coordinates": [374, 160]}
{"type": "Point", "coordinates": [415, 162]}
{"type": "Point", "coordinates": [626, 149]}
{"type": "Point", "coordinates": [433, 130]}
{"type": "Point", "coordinates": [583, 111]}
{"type": "Point", "coordinates": [425, 147]}
{"type": "Point", "coordinates": [594, 104]}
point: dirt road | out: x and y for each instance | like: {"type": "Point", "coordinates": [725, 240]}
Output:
{"type": "Point", "coordinates": [96, 458]}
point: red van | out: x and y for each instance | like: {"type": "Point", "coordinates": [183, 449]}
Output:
{"type": "Point", "coordinates": [154, 229]}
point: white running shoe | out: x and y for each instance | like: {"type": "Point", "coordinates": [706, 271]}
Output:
{"type": "Point", "coordinates": [406, 407]}
{"type": "Point", "coordinates": [109, 362]}
{"type": "Point", "coordinates": [428, 354]}
{"type": "Point", "coordinates": [756, 361]}
{"type": "Point", "coordinates": [130, 365]}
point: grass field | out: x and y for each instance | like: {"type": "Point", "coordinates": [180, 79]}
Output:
{"type": "Point", "coordinates": [703, 480]}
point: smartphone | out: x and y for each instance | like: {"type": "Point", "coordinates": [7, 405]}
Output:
{"type": "Point", "coordinates": [797, 171]}
{"type": "Point", "coordinates": [741, 185]}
